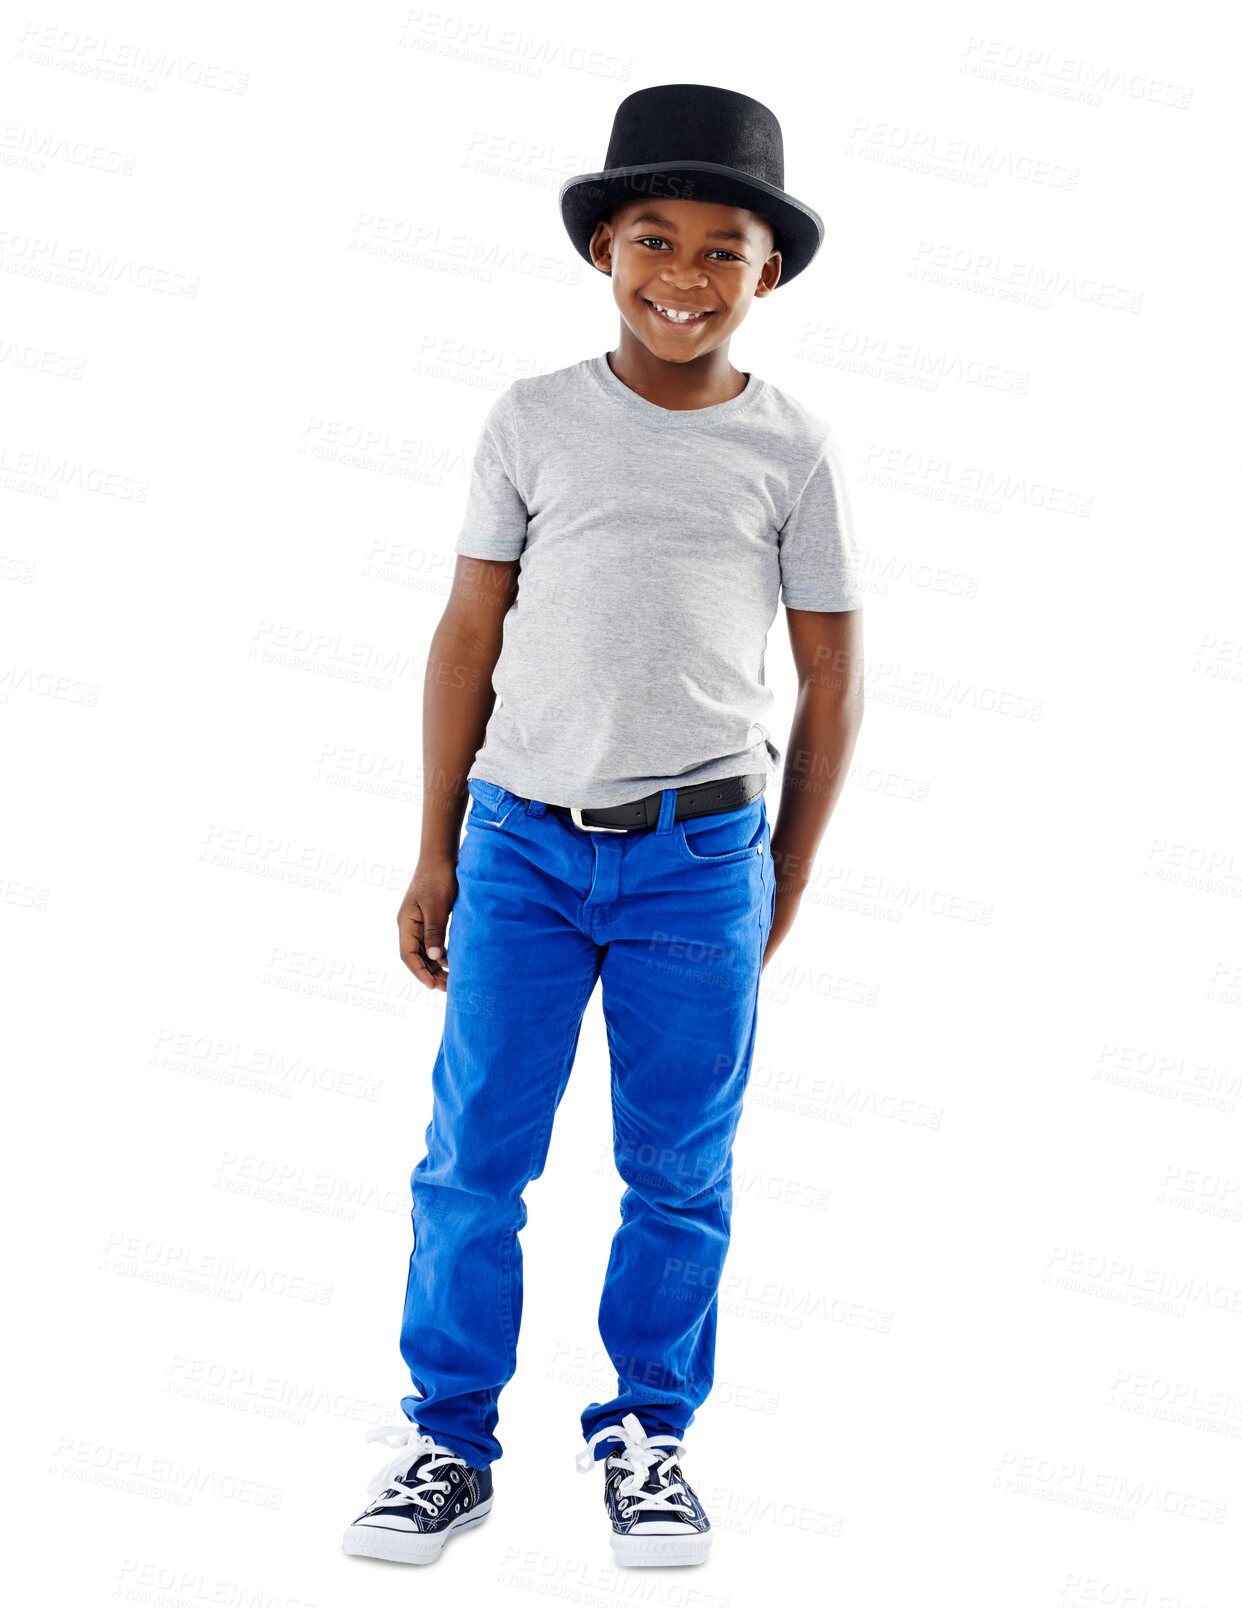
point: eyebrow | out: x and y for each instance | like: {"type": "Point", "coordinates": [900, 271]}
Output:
{"type": "Point", "coordinates": [667, 223]}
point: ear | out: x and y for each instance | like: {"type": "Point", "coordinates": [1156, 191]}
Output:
{"type": "Point", "coordinates": [770, 275]}
{"type": "Point", "coordinates": [600, 246]}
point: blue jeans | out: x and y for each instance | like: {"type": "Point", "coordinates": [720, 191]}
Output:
{"type": "Point", "coordinates": [673, 922]}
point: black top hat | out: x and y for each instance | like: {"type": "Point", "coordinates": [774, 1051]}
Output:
{"type": "Point", "coordinates": [694, 142]}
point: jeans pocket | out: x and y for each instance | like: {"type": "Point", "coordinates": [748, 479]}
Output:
{"type": "Point", "coordinates": [725, 838]}
{"type": "Point", "coordinates": [490, 804]}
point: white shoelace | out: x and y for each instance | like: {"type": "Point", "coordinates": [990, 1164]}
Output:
{"type": "Point", "coordinates": [639, 1455]}
{"type": "Point", "coordinates": [413, 1445]}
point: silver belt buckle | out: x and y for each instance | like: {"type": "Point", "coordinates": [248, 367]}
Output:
{"type": "Point", "coordinates": [576, 816]}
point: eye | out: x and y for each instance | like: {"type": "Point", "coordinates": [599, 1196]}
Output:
{"type": "Point", "coordinates": [717, 251]}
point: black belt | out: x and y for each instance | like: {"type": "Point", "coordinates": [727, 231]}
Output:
{"type": "Point", "coordinates": [700, 798]}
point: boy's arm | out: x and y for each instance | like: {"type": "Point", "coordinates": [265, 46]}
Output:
{"type": "Point", "coordinates": [827, 652]}
{"type": "Point", "coordinates": [458, 698]}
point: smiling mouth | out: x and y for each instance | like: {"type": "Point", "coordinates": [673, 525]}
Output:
{"type": "Point", "coordinates": [670, 315]}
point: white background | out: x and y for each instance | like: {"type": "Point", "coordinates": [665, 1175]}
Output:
{"type": "Point", "coordinates": [262, 275]}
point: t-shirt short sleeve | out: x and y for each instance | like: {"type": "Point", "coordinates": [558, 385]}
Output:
{"type": "Point", "coordinates": [818, 552]}
{"type": "Point", "coordinates": [494, 523]}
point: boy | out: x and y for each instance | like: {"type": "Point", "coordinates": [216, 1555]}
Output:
{"type": "Point", "coordinates": [648, 505]}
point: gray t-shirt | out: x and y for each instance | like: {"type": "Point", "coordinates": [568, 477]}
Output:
{"type": "Point", "coordinates": [654, 546]}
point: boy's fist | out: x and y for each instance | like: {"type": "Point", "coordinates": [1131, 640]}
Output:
{"type": "Point", "coordinates": [422, 921]}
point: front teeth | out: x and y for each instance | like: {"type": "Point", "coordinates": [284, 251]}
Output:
{"type": "Point", "coordinates": [678, 318]}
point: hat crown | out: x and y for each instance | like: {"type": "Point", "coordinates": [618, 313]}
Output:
{"type": "Point", "coordinates": [698, 123]}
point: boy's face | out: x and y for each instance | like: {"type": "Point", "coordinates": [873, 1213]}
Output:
{"type": "Point", "coordinates": [688, 256]}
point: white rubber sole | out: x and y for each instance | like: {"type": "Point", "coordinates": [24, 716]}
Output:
{"type": "Point", "coordinates": [661, 1551]}
{"type": "Point", "coordinates": [408, 1546]}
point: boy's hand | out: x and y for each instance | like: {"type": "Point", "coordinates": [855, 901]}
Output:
{"type": "Point", "coordinates": [784, 910]}
{"type": "Point", "coordinates": [422, 921]}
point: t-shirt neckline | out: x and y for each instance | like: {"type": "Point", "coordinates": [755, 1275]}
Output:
{"type": "Point", "coordinates": [671, 418]}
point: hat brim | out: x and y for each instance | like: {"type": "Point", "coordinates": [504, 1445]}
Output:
{"type": "Point", "coordinates": [586, 197]}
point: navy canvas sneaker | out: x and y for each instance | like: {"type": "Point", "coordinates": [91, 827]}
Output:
{"type": "Point", "coordinates": [424, 1496]}
{"type": "Point", "coordinates": [657, 1519]}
